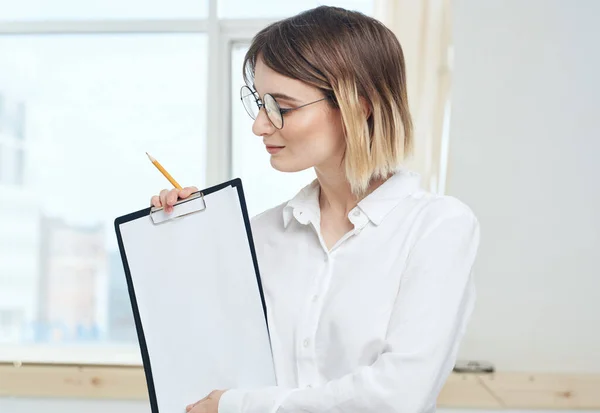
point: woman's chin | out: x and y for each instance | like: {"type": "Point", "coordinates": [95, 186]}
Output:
{"type": "Point", "coordinates": [282, 165]}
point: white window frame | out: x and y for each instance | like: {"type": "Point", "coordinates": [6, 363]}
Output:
{"type": "Point", "coordinates": [222, 34]}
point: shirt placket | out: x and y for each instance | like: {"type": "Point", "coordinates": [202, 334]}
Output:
{"type": "Point", "coordinates": [308, 373]}
{"type": "Point", "coordinates": [307, 367]}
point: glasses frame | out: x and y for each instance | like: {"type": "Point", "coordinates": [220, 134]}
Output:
{"type": "Point", "coordinates": [260, 104]}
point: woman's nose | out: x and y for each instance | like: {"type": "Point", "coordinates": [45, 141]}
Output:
{"type": "Point", "coordinates": [262, 125]}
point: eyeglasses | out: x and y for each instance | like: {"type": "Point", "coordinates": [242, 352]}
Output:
{"type": "Point", "coordinates": [253, 105]}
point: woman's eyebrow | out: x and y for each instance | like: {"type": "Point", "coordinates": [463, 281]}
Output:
{"type": "Point", "coordinates": [284, 96]}
{"type": "Point", "coordinates": [278, 95]}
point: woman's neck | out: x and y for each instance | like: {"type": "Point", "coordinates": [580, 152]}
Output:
{"type": "Point", "coordinates": [336, 196]}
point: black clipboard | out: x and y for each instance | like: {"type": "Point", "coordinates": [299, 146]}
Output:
{"type": "Point", "coordinates": [148, 218]}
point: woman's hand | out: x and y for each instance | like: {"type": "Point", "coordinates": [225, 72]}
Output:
{"type": "Point", "coordinates": [209, 404]}
{"type": "Point", "coordinates": [167, 198]}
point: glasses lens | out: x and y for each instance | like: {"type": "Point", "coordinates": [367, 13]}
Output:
{"type": "Point", "coordinates": [249, 101]}
{"type": "Point", "coordinates": [272, 108]}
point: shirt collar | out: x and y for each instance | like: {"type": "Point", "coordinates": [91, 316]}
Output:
{"type": "Point", "coordinates": [379, 203]}
{"type": "Point", "coordinates": [304, 205]}
{"type": "Point", "coordinates": [376, 206]}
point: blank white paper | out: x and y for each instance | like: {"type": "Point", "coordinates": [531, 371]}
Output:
{"type": "Point", "coordinates": [199, 302]}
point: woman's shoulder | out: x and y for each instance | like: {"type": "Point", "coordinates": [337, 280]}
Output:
{"type": "Point", "coordinates": [269, 222]}
{"type": "Point", "coordinates": [404, 196]}
{"type": "Point", "coordinates": [268, 216]}
{"type": "Point", "coordinates": [434, 210]}
{"type": "Point", "coordinates": [437, 205]}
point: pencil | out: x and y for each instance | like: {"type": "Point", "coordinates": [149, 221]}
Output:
{"type": "Point", "coordinates": [163, 171]}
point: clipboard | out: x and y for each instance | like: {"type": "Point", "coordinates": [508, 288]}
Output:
{"type": "Point", "coordinates": [197, 298]}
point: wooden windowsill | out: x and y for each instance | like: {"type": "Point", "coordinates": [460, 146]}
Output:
{"type": "Point", "coordinates": [503, 390]}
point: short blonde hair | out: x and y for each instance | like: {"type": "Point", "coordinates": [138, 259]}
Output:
{"type": "Point", "coordinates": [351, 58]}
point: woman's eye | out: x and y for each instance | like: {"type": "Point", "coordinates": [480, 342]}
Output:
{"type": "Point", "coordinates": [284, 110]}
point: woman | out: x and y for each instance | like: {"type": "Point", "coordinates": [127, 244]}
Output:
{"type": "Point", "coordinates": [366, 276]}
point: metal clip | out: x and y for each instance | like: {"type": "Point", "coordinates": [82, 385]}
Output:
{"type": "Point", "coordinates": [181, 209]}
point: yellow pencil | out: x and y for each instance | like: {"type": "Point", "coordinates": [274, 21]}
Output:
{"type": "Point", "coordinates": [163, 171]}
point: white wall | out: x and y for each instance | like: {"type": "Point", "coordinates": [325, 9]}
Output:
{"type": "Point", "coordinates": [524, 150]}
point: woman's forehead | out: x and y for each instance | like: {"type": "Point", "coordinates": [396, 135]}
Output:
{"type": "Point", "coordinates": [265, 77]}
{"type": "Point", "coordinates": [266, 80]}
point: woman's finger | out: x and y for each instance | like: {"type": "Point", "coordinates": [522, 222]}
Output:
{"type": "Point", "coordinates": [155, 201]}
{"type": "Point", "coordinates": [168, 198]}
{"type": "Point", "coordinates": [191, 406]}
{"type": "Point", "coordinates": [172, 196]}
{"type": "Point", "coordinates": [163, 197]}
{"type": "Point", "coordinates": [187, 191]}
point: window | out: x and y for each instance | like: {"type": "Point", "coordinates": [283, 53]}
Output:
{"type": "Point", "coordinates": [11, 134]}
{"type": "Point", "coordinates": [10, 319]}
{"type": "Point", "coordinates": [92, 106]}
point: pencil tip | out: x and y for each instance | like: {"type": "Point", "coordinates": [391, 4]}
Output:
{"type": "Point", "coordinates": [150, 157]}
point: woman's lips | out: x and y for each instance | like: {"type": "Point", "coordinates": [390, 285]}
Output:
{"type": "Point", "coordinates": [274, 149]}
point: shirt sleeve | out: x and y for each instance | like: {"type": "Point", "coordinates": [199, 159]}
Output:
{"type": "Point", "coordinates": [433, 305]}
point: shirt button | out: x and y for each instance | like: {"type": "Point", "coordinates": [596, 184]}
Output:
{"type": "Point", "coordinates": [356, 212]}
{"type": "Point", "coordinates": [315, 298]}
{"type": "Point", "coordinates": [306, 343]}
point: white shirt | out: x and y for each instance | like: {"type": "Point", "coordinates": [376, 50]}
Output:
{"type": "Point", "coordinates": [374, 324]}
